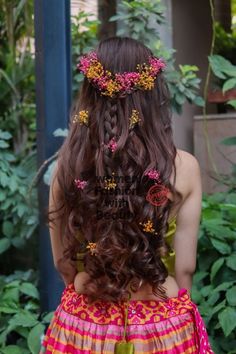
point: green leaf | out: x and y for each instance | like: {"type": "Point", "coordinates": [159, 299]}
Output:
{"type": "Point", "coordinates": [8, 307]}
{"type": "Point", "coordinates": [4, 178]}
{"type": "Point", "coordinates": [199, 101]}
{"type": "Point", "coordinates": [22, 331]}
{"type": "Point", "coordinates": [205, 290]}
{"type": "Point", "coordinates": [222, 287]}
{"type": "Point", "coordinates": [5, 135]}
{"type": "Point", "coordinates": [229, 84]}
{"type": "Point", "coordinates": [5, 243]}
{"type": "Point", "coordinates": [222, 65]}
{"type": "Point", "coordinates": [213, 298]}
{"type": "Point", "coordinates": [198, 276]}
{"type": "Point", "coordinates": [30, 290]}
{"type": "Point", "coordinates": [216, 266]}
{"type": "Point", "coordinates": [34, 338]}
{"type": "Point", "coordinates": [229, 141]}
{"type": "Point", "coordinates": [227, 319]}
{"type": "Point", "coordinates": [7, 228]}
{"type": "Point", "coordinates": [216, 65]}
{"type": "Point", "coordinates": [218, 307]}
{"type": "Point", "coordinates": [12, 349]}
{"type": "Point", "coordinates": [11, 294]}
{"type": "Point", "coordinates": [18, 242]}
{"type": "Point", "coordinates": [232, 103]}
{"type": "Point", "coordinates": [231, 261]}
{"type": "Point", "coordinates": [23, 318]}
{"type": "Point", "coordinates": [231, 296]}
{"type": "Point", "coordinates": [221, 246]}
{"type": "Point", "coordinates": [48, 317]}
{"type": "Point", "coordinates": [3, 144]}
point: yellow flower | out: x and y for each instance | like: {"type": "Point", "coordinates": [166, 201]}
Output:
{"type": "Point", "coordinates": [92, 247]}
{"type": "Point", "coordinates": [81, 118]}
{"type": "Point", "coordinates": [112, 87]}
{"type": "Point", "coordinates": [95, 71]}
{"type": "Point", "coordinates": [146, 81]}
{"type": "Point", "coordinates": [148, 227]}
{"type": "Point", "coordinates": [110, 183]}
{"type": "Point", "coordinates": [134, 118]}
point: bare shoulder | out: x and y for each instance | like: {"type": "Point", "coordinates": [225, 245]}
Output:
{"type": "Point", "coordinates": [188, 173]}
{"type": "Point", "coordinates": [186, 162]}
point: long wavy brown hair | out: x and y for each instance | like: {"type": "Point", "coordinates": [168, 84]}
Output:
{"type": "Point", "coordinates": [126, 256]}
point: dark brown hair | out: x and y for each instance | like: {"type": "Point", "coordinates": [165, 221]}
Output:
{"type": "Point", "coordinates": [126, 255]}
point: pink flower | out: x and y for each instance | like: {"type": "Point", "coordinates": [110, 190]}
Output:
{"type": "Point", "coordinates": [112, 144]}
{"type": "Point", "coordinates": [127, 80]}
{"type": "Point", "coordinates": [86, 61]}
{"type": "Point", "coordinates": [153, 174]}
{"type": "Point", "coordinates": [80, 184]}
{"type": "Point", "coordinates": [156, 65]}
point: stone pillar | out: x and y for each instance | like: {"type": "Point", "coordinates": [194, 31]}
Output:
{"type": "Point", "coordinates": [191, 27]}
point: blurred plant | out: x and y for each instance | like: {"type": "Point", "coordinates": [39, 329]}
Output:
{"type": "Point", "coordinates": [225, 43]}
{"type": "Point", "coordinates": [225, 71]}
{"type": "Point", "coordinates": [21, 325]}
{"type": "Point", "coordinates": [141, 19]}
{"type": "Point", "coordinates": [17, 96]}
{"type": "Point", "coordinates": [214, 286]}
{"type": "Point", "coordinates": [84, 38]}
{"type": "Point", "coordinates": [18, 210]}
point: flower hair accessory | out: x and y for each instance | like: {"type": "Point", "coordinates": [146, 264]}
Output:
{"type": "Point", "coordinates": [112, 145]}
{"type": "Point", "coordinates": [110, 84]}
{"type": "Point", "coordinates": [92, 247]}
{"type": "Point", "coordinates": [153, 174]}
{"type": "Point", "coordinates": [80, 184]}
{"type": "Point", "coordinates": [148, 227]}
{"type": "Point", "coordinates": [81, 118]}
{"type": "Point", "coordinates": [134, 118]}
{"type": "Point", "coordinates": [110, 183]}
{"type": "Point", "coordinates": [157, 194]}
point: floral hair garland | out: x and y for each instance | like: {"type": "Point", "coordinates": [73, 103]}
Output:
{"type": "Point", "coordinates": [111, 85]}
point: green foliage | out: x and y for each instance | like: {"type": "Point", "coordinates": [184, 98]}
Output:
{"type": "Point", "coordinates": [225, 43]}
{"type": "Point", "coordinates": [224, 70]}
{"type": "Point", "coordinates": [141, 19]}
{"type": "Point", "coordinates": [21, 326]}
{"type": "Point", "coordinates": [84, 38]}
{"type": "Point", "coordinates": [214, 288]}
{"type": "Point", "coordinates": [18, 210]}
{"type": "Point", "coordinates": [17, 83]}
{"type": "Point", "coordinates": [19, 304]}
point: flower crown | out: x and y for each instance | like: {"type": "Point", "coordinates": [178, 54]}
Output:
{"type": "Point", "coordinates": [111, 85]}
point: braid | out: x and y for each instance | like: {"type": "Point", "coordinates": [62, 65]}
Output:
{"type": "Point", "coordinates": [110, 131]}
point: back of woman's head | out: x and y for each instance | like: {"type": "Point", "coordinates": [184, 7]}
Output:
{"type": "Point", "coordinates": [104, 175]}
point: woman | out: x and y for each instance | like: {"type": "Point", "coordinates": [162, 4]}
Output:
{"type": "Point", "coordinates": [125, 208]}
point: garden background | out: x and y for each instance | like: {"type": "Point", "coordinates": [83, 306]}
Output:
{"type": "Point", "coordinates": [22, 321]}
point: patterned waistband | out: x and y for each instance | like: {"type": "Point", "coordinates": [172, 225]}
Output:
{"type": "Point", "coordinates": [139, 311]}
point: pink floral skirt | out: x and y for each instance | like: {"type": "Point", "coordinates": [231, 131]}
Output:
{"type": "Point", "coordinates": [172, 326]}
